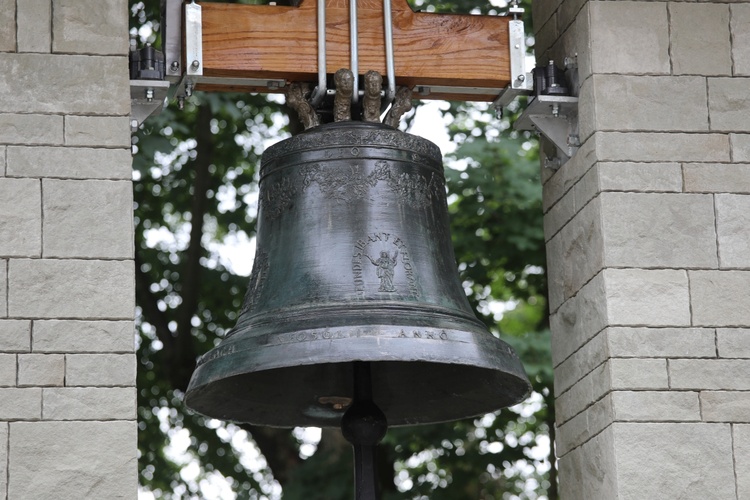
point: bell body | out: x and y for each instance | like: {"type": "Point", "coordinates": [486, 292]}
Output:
{"type": "Point", "coordinates": [354, 263]}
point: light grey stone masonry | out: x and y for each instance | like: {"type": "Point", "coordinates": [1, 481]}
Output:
{"type": "Point", "coordinates": [89, 403]}
{"type": "Point", "coordinates": [656, 297]}
{"type": "Point", "coordinates": [729, 103]}
{"type": "Point", "coordinates": [740, 147]}
{"type": "Point", "coordinates": [31, 129]}
{"type": "Point", "coordinates": [733, 228]}
{"type": "Point", "coordinates": [720, 298]}
{"type": "Point", "coordinates": [70, 162]}
{"type": "Point", "coordinates": [700, 41]}
{"type": "Point", "coordinates": [661, 342]}
{"type": "Point", "coordinates": [741, 446]}
{"type": "Point", "coordinates": [733, 342]}
{"type": "Point", "coordinates": [8, 370]}
{"type": "Point", "coordinates": [710, 374]}
{"type": "Point", "coordinates": [41, 370]}
{"type": "Point", "coordinates": [587, 478]}
{"type": "Point", "coordinates": [7, 25]}
{"type": "Point", "coordinates": [21, 221]}
{"type": "Point", "coordinates": [661, 147]}
{"type": "Point", "coordinates": [98, 457]}
{"type": "Point", "coordinates": [74, 289]}
{"type": "Point", "coordinates": [3, 459]}
{"type": "Point", "coordinates": [740, 26]}
{"type": "Point", "coordinates": [99, 370]}
{"type": "Point", "coordinates": [725, 406]}
{"type": "Point", "coordinates": [15, 335]}
{"type": "Point", "coordinates": [635, 373]}
{"type": "Point", "coordinates": [83, 336]}
{"type": "Point", "coordinates": [656, 406]}
{"type": "Point", "coordinates": [33, 21]}
{"type": "Point", "coordinates": [680, 460]}
{"type": "Point", "coordinates": [643, 24]}
{"type": "Point", "coordinates": [86, 218]}
{"type": "Point", "coordinates": [3, 290]}
{"type": "Point", "coordinates": [643, 177]}
{"type": "Point", "coordinates": [46, 83]}
{"type": "Point", "coordinates": [97, 131]}
{"type": "Point", "coordinates": [21, 403]}
{"type": "Point", "coordinates": [717, 177]}
{"type": "Point", "coordinates": [86, 26]}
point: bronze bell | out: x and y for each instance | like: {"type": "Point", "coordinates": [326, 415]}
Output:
{"type": "Point", "coordinates": [354, 263]}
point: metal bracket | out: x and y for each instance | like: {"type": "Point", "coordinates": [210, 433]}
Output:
{"type": "Point", "coordinates": [147, 97]}
{"type": "Point", "coordinates": [171, 21]}
{"type": "Point", "coordinates": [555, 117]}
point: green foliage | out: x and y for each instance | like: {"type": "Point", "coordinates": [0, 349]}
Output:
{"type": "Point", "coordinates": [195, 190]}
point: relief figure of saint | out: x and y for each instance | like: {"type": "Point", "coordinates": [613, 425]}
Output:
{"type": "Point", "coordinates": [385, 264]}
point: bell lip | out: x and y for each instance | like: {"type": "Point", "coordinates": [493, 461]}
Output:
{"type": "Point", "coordinates": [477, 360]}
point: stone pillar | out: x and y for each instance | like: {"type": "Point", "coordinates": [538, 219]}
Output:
{"type": "Point", "coordinates": [648, 240]}
{"type": "Point", "coordinates": [67, 367]}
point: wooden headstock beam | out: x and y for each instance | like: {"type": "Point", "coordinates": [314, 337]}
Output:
{"type": "Point", "coordinates": [430, 50]}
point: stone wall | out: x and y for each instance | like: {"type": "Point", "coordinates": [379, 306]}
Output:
{"type": "Point", "coordinates": [67, 368]}
{"type": "Point", "coordinates": [648, 239]}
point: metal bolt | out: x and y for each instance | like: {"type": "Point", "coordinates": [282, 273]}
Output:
{"type": "Point", "coordinates": [149, 95]}
{"type": "Point", "coordinates": [133, 125]}
{"type": "Point", "coordinates": [189, 89]}
{"type": "Point", "coordinates": [555, 110]}
{"type": "Point", "coordinates": [180, 103]}
{"type": "Point", "coordinates": [518, 46]}
{"type": "Point", "coordinates": [521, 78]}
{"type": "Point", "coordinates": [196, 63]}
{"type": "Point", "coordinates": [175, 65]}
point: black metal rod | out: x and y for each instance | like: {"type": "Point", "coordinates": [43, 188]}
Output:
{"type": "Point", "coordinates": [364, 425]}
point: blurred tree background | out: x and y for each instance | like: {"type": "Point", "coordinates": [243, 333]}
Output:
{"type": "Point", "coordinates": [196, 183]}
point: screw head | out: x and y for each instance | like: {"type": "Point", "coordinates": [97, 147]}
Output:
{"type": "Point", "coordinates": [175, 66]}
{"type": "Point", "coordinates": [195, 63]}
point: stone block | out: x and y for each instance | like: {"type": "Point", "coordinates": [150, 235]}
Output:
{"type": "Point", "coordinates": [582, 247]}
{"type": "Point", "coordinates": [83, 336]}
{"type": "Point", "coordinates": [567, 13]}
{"type": "Point", "coordinates": [21, 223]}
{"type": "Point", "coordinates": [729, 104]}
{"type": "Point", "coordinates": [661, 147]}
{"type": "Point", "coordinates": [720, 298]}
{"type": "Point", "coordinates": [732, 222]}
{"type": "Point", "coordinates": [3, 289]}
{"type": "Point", "coordinates": [88, 219]}
{"type": "Point", "coordinates": [559, 215]}
{"type": "Point", "coordinates": [592, 354]}
{"type": "Point", "coordinates": [71, 289]}
{"type": "Point", "coordinates": [643, 25]}
{"type": "Point", "coordinates": [73, 460]}
{"type": "Point", "coordinates": [100, 370]}
{"type": "Point", "coordinates": [641, 103]}
{"type": "Point", "coordinates": [658, 230]}
{"type": "Point", "coordinates": [583, 393]}
{"type": "Point", "coordinates": [638, 374]}
{"type": "Point", "coordinates": [700, 40]}
{"type": "Point", "coordinates": [584, 477]}
{"type": "Point", "coordinates": [8, 372]}
{"type": "Point", "coordinates": [76, 163]}
{"type": "Point", "coordinates": [555, 282]}
{"type": "Point", "coordinates": [41, 370]}
{"type": "Point", "coordinates": [583, 426]}
{"type": "Point", "coordinates": [7, 30]}
{"type": "Point", "coordinates": [586, 189]}
{"type": "Point", "coordinates": [679, 460]}
{"type": "Point", "coordinates": [542, 11]}
{"type": "Point", "coordinates": [717, 177]}
{"type": "Point", "coordinates": [89, 403]}
{"type": "Point", "coordinates": [637, 297]}
{"type": "Point", "coordinates": [725, 406]}
{"type": "Point", "coordinates": [20, 404]}
{"type": "Point", "coordinates": [15, 335]}
{"type": "Point", "coordinates": [661, 342]}
{"type": "Point", "coordinates": [740, 27]}
{"type": "Point", "coordinates": [740, 147]}
{"type": "Point", "coordinates": [568, 175]}
{"type": "Point", "coordinates": [710, 374]}
{"type": "Point", "coordinates": [655, 406]}
{"type": "Point", "coordinates": [626, 176]}
{"type": "Point", "coordinates": [34, 19]}
{"type": "Point", "coordinates": [97, 131]}
{"type": "Point", "coordinates": [578, 319]}
{"type": "Point", "coordinates": [3, 460]}
{"type": "Point", "coordinates": [741, 444]}
{"type": "Point", "coordinates": [733, 342]}
{"type": "Point", "coordinates": [31, 129]}
{"type": "Point", "coordinates": [76, 84]}
{"type": "Point", "coordinates": [90, 26]}
{"type": "Point", "coordinates": [545, 38]}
